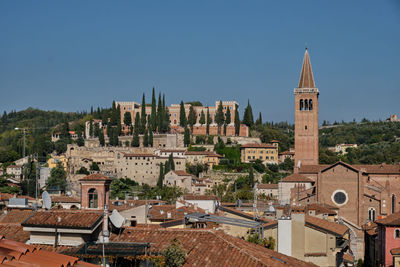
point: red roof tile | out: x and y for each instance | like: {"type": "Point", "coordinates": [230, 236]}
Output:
{"type": "Point", "coordinates": [198, 197]}
{"type": "Point", "coordinates": [95, 177]}
{"type": "Point", "coordinates": [69, 219]}
{"type": "Point", "coordinates": [182, 173]}
{"type": "Point", "coordinates": [295, 177]}
{"type": "Point", "coordinates": [19, 254]}
{"type": "Point", "coordinates": [335, 228]}
{"type": "Point", "coordinates": [205, 153]}
{"type": "Point", "coordinates": [14, 232]}
{"type": "Point", "coordinates": [391, 220]}
{"type": "Point", "coordinates": [267, 186]}
{"type": "Point", "coordinates": [15, 216]}
{"type": "Point", "coordinates": [209, 247]}
{"type": "Point", "coordinates": [255, 145]}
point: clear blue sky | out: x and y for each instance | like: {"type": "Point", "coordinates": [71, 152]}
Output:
{"type": "Point", "coordinates": [70, 55]}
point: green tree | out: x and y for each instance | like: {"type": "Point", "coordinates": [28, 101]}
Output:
{"type": "Point", "coordinates": [137, 125]}
{"type": "Point", "coordinates": [101, 139]}
{"type": "Point", "coordinates": [135, 139]}
{"type": "Point", "coordinates": [219, 117]}
{"type": "Point", "coordinates": [167, 167]}
{"type": "Point", "coordinates": [58, 178]}
{"type": "Point", "coordinates": [192, 118]}
{"type": "Point", "coordinates": [174, 254]}
{"type": "Point", "coordinates": [209, 120]}
{"type": "Point", "coordinates": [128, 119]}
{"type": "Point", "coordinates": [202, 118]}
{"type": "Point", "coordinates": [82, 170]}
{"type": "Point", "coordinates": [182, 116]}
{"type": "Point", "coordinates": [251, 178]}
{"type": "Point", "coordinates": [237, 121]}
{"type": "Point", "coordinates": [171, 162]}
{"type": "Point", "coordinates": [248, 115]}
{"type": "Point", "coordinates": [228, 119]}
{"type": "Point", "coordinates": [161, 176]}
{"type": "Point", "coordinates": [153, 111]}
{"type": "Point", "coordinates": [146, 139]}
{"type": "Point", "coordinates": [186, 137]}
{"type": "Point", "coordinates": [151, 138]}
{"type": "Point", "coordinates": [143, 116]}
{"type": "Point", "coordinates": [160, 115]}
{"type": "Point", "coordinates": [94, 167]}
{"type": "Point", "coordinates": [259, 120]}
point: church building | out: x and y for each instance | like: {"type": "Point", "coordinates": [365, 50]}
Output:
{"type": "Point", "coordinates": [361, 193]}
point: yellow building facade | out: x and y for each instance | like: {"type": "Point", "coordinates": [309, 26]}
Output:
{"type": "Point", "coordinates": [267, 153]}
{"type": "Point", "coordinates": [52, 162]}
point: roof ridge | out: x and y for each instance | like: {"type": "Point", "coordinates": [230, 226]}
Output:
{"type": "Point", "coordinates": [306, 75]}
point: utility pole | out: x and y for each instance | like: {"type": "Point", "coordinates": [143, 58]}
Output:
{"type": "Point", "coordinates": [37, 172]}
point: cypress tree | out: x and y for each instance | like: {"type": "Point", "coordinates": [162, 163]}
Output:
{"type": "Point", "coordinates": [143, 116]}
{"type": "Point", "coordinates": [219, 117]}
{"type": "Point", "coordinates": [228, 119]}
{"type": "Point", "coordinates": [91, 128]}
{"type": "Point", "coordinates": [208, 122]}
{"type": "Point", "coordinates": [146, 138]}
{"type": "Point", "coordinates": [135, 139]}
{"type": "Point", "coordinates": [101, 138]}
{"type": "Point", "coordinates": [128, 119]}
{"type": "Point", "coordinates": [186, 137]}
{"type": "Point", "coordinates": [259, 120]}
{"type": "Point", "coordinates": [251, 177]}
{"type": "Point", "coordinates": [191, 118]}
{"type": "Point", "coordinates": [248, 115]}
{"type": "Point", "coordinates": [118, 121]}
{"type": "Point", "coordinates": [182, 116]}
{"type": "Point", "coordinates": [237, 120]}
{"type": "Point", "coordinates": [153, 111]}
{"type": "Point", "coordinates": [167, 167]}
{"type": "Point", "coordinates": [137, 126]}
{"type": "Point", "coordinates": [160, 115]}
{"type": "Point", "coordinates": [171, 162]}
{"type": "Point", "coordinates": [161, 176]}
{"type": "Point", "coordinates": [150, 138]}
{"type": "Point", "coordinates": [202, 118]}
{"type": "Point", "coordinates": [166, 120]}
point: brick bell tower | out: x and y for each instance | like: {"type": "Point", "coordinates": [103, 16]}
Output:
{"type": "Point", "coordinates": [306, 118]}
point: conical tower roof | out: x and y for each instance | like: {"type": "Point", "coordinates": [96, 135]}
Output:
{"type": "Point", "coordinates": [306, 76]}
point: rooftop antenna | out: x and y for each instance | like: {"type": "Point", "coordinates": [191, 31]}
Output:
{"type": "Point", "coordinates": [46, 199]}
{"type": "Point", "coordinates": [306, 46]}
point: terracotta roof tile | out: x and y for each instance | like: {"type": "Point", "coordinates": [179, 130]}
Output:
{"type": "Point", "coordinates": [15, 216]}
{"type": "Point", "coordinates": [14, 232]}
{"type": "Point", "coordinates": [170, 212]}
{"type": "Point", "coordinates": [395, 251]}
{"type": "Point", "coordinates": [348, 257]}
{"type": "Point", "coordinates": [19, 254]}
{"type": "Point", "coordinates": [391, 220]}
{"type": "Point", "coordinates": [198, 197]}
{"type": "Point", "coordinates": [69, 219]}
{"type": "Point", "coordinates": [140, 155]}
{"type": "Point", "coordinates": [335, 228]}
{"type": "Point", "coordinates": [205, 153]}
{"type": "Point", "coordinates": [267, 186]}
{"type": "Point", "coordinates": [95, 177]}
{"type": "Point", "coordinates": [255, 145]}
{"type": "Point", "coordinates": [306, 76]}
{"type": "Point", "coordinates": [209, 247]}
{"type": "Point", "coordinates": [295, 177]}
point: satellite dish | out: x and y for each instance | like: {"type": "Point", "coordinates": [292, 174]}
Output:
{"type": "Point", "coordinates": [46, 200]}
{"type": "Point", "coordinates": [116, 219]}
{"type": "Point", "coordinates": [271, 208]}
{"type": "Point", "coordinates": [68, 193]}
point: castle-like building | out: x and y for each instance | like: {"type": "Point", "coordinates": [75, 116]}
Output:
{"type": "Point", "coordinates": [360, 193]}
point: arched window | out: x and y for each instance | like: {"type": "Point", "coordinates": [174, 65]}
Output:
{"type": "Point", "coordinates": [371, 214]}
{"type": "Point", "coordinates": [393, 203]}
{"type": "Point", "coordinates": [93, 198]}
{"type": "Point", "coordinates": [301, 104]}
{"type": "Point", "coordinates": [306, 104]}
{"type": "Point", "coordinates": [310, 104]}
{"type": "Point", "coordinates": [397, 233]}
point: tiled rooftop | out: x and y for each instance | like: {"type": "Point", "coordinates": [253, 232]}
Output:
{"type": "Point", "coordinates": [198, 197]}
{"type": "Point", "coordinates": [14, 253]}
{"type": "Point", "coordinates": [69, 219]}
{"type": "Point", "coordinates": [267, 186]}
{"type": "Point", "coordinates": [255, 145]}
{"type": "Point", "coordinates": [295, 177]}
{"type": "Point", "coordinates": [391, 220]}
{"type": "Point", "coordinates": [335, 228]}
{"type": "Point", "coordinates": [14, 232]}
{"type": "Point", "coordinates": [95, 177]}
{"type": "Point", "coordinates": [369, 169]}
{"type": "Point", "coordinates": [209, 247]}
{"type": "Point", "coordinates": [15, 216]}
{"type": "Point", "coordinates": [205, 153]}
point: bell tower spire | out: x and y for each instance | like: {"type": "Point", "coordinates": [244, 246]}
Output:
{"type": "Point", "coordinates": [306, 117]}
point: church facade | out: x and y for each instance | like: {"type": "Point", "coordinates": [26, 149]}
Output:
{"type": "Point", "coordinates": [361, 193]}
